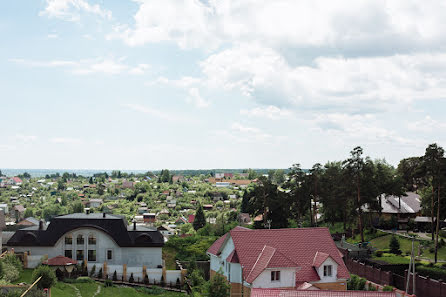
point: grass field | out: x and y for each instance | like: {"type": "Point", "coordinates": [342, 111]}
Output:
{"type": "Point", "coordinates": [383, 242]}
{"type": "Point", "coordinates": [89, 289]}
{"type": "Point", "coordinates": [25, 276]}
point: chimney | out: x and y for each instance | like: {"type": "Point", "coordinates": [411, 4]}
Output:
{"type": "Point", "coordinates": [134, 225]}
{"type": "Point", "coordinates": [103, 214]}
{"type": "Point", "coordinates": [40, 225]}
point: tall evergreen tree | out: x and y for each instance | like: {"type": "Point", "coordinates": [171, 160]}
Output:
{"type": "Point", "coordinates": [200, 220]}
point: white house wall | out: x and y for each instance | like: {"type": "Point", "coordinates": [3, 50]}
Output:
{"type": "Point", "coordinates": [287, 279]}
{"type": "Point", "coordinates": [334, 272]}
{"type": "Point", "coordinates": [132, 256]}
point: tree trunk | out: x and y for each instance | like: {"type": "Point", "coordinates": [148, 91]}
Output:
{"type": "Point", "coordinates": [359, 212]}
{"type": "Point", "coordinates": [438, 224]}
{"type": "Point", "coordinates": [311, 213]}
{"type": "Point", "coordinates": [432, 212]}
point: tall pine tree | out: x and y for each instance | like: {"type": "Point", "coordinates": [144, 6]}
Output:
{"type": "Point", "coordinates": [200, 220]}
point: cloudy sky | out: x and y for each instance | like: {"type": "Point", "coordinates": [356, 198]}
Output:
{"type": "Point", "coordinates": [218, 83]}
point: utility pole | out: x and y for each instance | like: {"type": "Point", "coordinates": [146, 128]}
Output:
{"type": "Point", "coordinates": [411, 267]}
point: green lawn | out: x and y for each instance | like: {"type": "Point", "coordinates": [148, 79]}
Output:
{"type": "Point", "coordinates": [88, 289]}
{"type": "Point", "coordinates": [382, 243]}
{"type": "Point", "coordinates": [25, 276]}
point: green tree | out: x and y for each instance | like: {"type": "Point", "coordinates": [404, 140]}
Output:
{"type": "Point", "coordinates": [361, 173]}
{"type": "Point", "coordinates": [48, 276]}
{"type": "Point", "coordinates": [200, 220]}
{"type": "Point", "coordinates": [78, 207]}
{"type": "Point", "coordinates": [218, 286]}
{"type": "Point", "coordinates": [298, 196]}
{"type": "Point", "coordinates": [434, 166]}
{"type": "Point", "coordinates": [394, 245]}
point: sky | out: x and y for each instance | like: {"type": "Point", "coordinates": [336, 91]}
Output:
{"type": "Point", "coordinates": [195, 84]}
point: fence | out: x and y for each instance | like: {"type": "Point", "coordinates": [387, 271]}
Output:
{"type": "Point", "coordinates": [425, 287]}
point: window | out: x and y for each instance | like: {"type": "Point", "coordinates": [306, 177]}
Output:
{"type": "Point", "coordinates": [80, 239]}
{"type": "Point", "coordinates": [327, 270]}
{"type": "Point", "coordinates": [109, 255]}
{"type": "Point", "coordinates": [80, 255]}
{"type": "Point", "coordinates": [91, 239]}
{"type": "Point", "coordinates": [69, 254]}
{"type": "Point", "coordinates": [68, 239]}
{"type": "Point", "coordinates": [275, 276]}
{"type": "Point", "coordinates": [92, 255]}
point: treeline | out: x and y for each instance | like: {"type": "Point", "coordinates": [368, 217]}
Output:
{"type": "Point", "coordinates": [340, 191]}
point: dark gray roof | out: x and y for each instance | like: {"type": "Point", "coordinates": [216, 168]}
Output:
{"type": "Point", "coordinates": [115, 226]}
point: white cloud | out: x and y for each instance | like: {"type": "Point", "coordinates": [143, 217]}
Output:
{"type": "Point", "coordinates": [7, 147]}
{"type": "Point", "coordinates": [66, 140]}
{"type": "Point", "coordinates": [196, 99]}
{"type": "Point", "coordinates": [427, 125]}
{"type": "Point", "coordinates": [269, 112]}
{"type": "Point", "coordinates": [184, 22]}
{"type": "Point", "coordinates": [26, 138]}
{"type": "Point", "coordinates": [53, 36]}
{"type": "Point", "coordinates": [245, 134]}
{"type": "Point", "coordinates": [148, 110]}
{"type": "Point", "coordinates": [88, 66]}
{"type": "Point", "coordinates": [71, 10]}
{"type": "Point", "coordinates": [362, 84]}
{"type": "Point", "coordinates": [140, 69]}
{"type": "Point", "coordinates": [312, 23]}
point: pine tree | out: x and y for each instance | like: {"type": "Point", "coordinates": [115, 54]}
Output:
{"type": "Point", "coordinates": [394, 245]}
{"type": "Point", "coordinates": [200, 220]}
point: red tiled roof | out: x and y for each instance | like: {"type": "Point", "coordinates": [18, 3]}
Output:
{"type": "Point", "coordinates": [191, 218]}
{"type": "Point", "coordinates": [261, 263]}
{"type": "Point", "coordinates": [215, 247]}
{"type": "Point", "coordinates": [320, 258]}
{"type": "Point", "coordinates": [233, 258]}
{"type": "Point", "coordinates": [258, 292]}
{"type": "Point", "coordinates": [16, 179]}
{"type": "Point", "coordinates": [293, 247]}
{"type": "Point", "coordinates": [59, 261]}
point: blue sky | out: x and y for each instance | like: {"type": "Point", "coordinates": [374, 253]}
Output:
{"type": "Point", "coordinates": [218, 84]}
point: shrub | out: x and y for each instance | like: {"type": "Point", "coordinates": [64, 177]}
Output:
{"type": "Point", "coordinates": [432, 272]}
{"type": "Point", "coordinates": [84, 279]}
{"type": "Point", "coordinates": [352, 283]}
{"type": "Point", "coordinates": [379, 253]}
{"type": "Point", "coordinates": [131, 279]}
{"type": "Point", "coordinates": [108, 283]}
{"type": "Point", "coordinates": [100, 273]}
{"type": "Point", "coordinates": [388, 288]}
{"type": "Point", "coordinates": [47, 274]}
{"type": "Point", "coordinates": [14, 261]}
{"type": "Point", "coordinates": [162, 281]}
{"type": "Point", "coordinates": [10, 272]}
{"type": "Point", "coordinates": [115, 276]}
{"type": "Point", "coordinates": [93, 270]}
{"type": "Point", "coordinates": [146, 279]}
{"type": "Point", "coordinates": [361, 284]}
{"type": "Point", "coordinates": [394, 245]}
{"type": "Point", "coordinates": [431, 250]}
{"type": "Point", "coordinates": [1, 270]}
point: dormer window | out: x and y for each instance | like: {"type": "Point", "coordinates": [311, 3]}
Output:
{"type": "Point", "coordinates": [275, 276]}
{"type": "Point", "coordinates": [328, 270]}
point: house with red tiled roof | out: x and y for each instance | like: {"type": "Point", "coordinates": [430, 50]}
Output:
{"type": "Point", "coordinates": [317, 293]}
{"type": "Point", "coordinates": [292, 258]}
